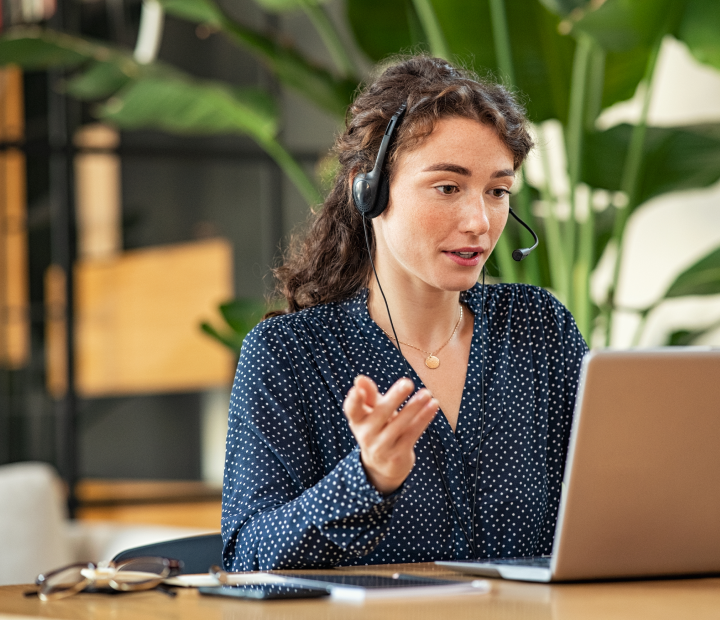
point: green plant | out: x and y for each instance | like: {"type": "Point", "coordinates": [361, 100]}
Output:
{"type": "Point", "coordinates": [240, 316]}
{"type": "Point", "coordinates": [606, 50]}
{"type": "Point", "coordinates": [571, 58]}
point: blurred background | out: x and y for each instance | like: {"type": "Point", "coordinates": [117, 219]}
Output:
{"type": "Point", "coordinates": [156, 155]}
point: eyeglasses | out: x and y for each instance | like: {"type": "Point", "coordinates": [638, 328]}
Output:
{"type": "Point", "coordinates": [128, 576]}
{"type": "Point", "coordinates": [219, 574]}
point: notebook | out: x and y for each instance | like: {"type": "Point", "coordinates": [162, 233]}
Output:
{"type": "Point", "coordinates": [641, 495]}
{"type": "Point", "coordinates": [349, 587]}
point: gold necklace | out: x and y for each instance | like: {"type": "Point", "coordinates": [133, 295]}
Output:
{"type": "Point", "coordinates": [431, 361]}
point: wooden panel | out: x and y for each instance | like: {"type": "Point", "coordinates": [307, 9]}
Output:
{"type": "Point", "coordinates": [55, 331]}
{"type": "Point", "coordinates": [97, 182]}
{"type": "Point", "coordinates": [97, 189]}
{"type": "Point", "coordinates": [138, 316]}
{"type": "Point", "coordinates": [14, 296]}
{"type": "Point", "coordinates": [98, 490]}
{"type": "Point", "coordinates": [179, 514]}
{"type": "Point", "coordinates": [182, 503]}
{"type": "Point", "coordinates": [12, 115]}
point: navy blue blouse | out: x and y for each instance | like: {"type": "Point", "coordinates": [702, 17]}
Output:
{"type": "Point", "coordinates": [295, 492]}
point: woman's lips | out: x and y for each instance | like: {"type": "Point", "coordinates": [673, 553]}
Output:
{"type": "Point", "coordinates": [467, 257]}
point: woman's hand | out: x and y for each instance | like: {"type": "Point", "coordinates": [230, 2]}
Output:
{"type": "Point", "coordinates": [387, 436]}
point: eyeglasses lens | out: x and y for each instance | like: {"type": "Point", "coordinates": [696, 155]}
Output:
{"type": "Point", "coordinates": [140, 573]}
{"type": "Point", "coordinates": [64, 582]}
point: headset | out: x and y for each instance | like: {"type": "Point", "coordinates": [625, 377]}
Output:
{"type": "Point", "coordinates": [371, 190]}
{"type": "Point", "coordinates": [371, 194]}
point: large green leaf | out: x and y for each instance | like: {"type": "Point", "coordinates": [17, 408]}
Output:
{"type": "Point", "coordinates": [702, 278]}
{"type": "Point", "coordinates": [627, 31]}
{"type": "Point", "coordinates": [673, 158]}
{"type": "Point", "coordinates": [147, 96]}
{"type": "Point", "coordinates": [35, 48]}
{"type": "Point", "coordinates": [295, 71]}
{"type": "Point", "coordinates": [99, 69]}
{"type": "Point", "coordinates": [307, 78]}
{"type": "Point", "coordinates": [688, 337]}
{"type": "Point", "coordinates": [623, 73]}
{"type": "Point", "coordinates": [624, 25]}
{"type": "Point", "coordinates": [200, 11]}
{"type": "Point", "coordinates": [100, 80]}
{"type": "Point", "coordinates": [565, 7]}
{"type": "Point", "coordinates": [542, 57]}
{"type": "Point", "coordinates": [382, 27]}
{"type": "Point", "coordinates": [241, 315]}
{"type": "Point", "coordinates": [629, 28]}
{"type": "Point", "coordinates": [175, 103]}
{"type": "Point", "coordinates": [160, 97]}
{"type": "Point", "coordinates": [700, 30]}
{"type": "Point", "coordinates": [232, 340]}
{"type": "Point", "coordinates": [280, 6]}
{"type": "Point", "coordinates": [27, 48]}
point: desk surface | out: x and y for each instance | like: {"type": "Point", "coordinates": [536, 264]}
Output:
{"type": "Point", "coordinates": [662, 599]}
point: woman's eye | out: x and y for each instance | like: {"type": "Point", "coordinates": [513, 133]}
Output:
{"type": "Point", "coordinates": [500, 192]}
{"type": "Point", "coordinates": [446, 190]}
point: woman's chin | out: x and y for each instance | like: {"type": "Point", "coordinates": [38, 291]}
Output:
{"type": "Point", "coordinates": [459, 282]}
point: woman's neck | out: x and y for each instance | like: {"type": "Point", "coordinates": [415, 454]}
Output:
{"type": "Point", "coordinates": [423, 317]}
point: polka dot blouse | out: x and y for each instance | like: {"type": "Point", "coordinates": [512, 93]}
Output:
{"type": "Point", "coordinates": [295, 493]}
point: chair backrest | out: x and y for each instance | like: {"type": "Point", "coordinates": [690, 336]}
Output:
{"type": "Point", "coordinates": [197, 553]}
{"type": "Point", "coordinates": [33, 522]}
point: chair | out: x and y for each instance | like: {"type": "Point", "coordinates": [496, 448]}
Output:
{"type": "Point", "coordinates": [198, 553]}
{"type": "Point", "coordinates": [33, 522]}
{"type": "Point", "coordinates": [36, 536]}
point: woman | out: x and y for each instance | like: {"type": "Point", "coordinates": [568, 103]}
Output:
{"type": "Point", "coordinates": [324, 465]}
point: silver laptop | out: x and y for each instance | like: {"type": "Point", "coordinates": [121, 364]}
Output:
{"type": "Point", "coordinates": [641, 495]}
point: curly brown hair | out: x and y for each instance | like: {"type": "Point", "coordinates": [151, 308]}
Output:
{"type": "Point", "coordinates": [331, 262]}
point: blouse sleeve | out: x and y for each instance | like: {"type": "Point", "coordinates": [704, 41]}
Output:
{"type": "Point", "coordinates": [280, 508]}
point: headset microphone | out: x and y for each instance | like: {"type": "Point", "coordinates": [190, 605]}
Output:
{"type": "Point", "coordinates": [371, 190]}
{"type": "Point", "coordinates": [521, 253]}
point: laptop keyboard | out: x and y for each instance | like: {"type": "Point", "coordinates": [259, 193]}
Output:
{"type": "Point", "coordinates": [542, 561]}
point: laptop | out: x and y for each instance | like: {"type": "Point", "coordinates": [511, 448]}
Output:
{"type": "Point", "coordinates": [641, 495]}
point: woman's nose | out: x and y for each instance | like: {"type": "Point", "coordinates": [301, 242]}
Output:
{"type": "Point", "coordinates": [475, 217]}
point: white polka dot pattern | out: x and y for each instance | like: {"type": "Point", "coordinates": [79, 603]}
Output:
{"type": "Point", "coordinates": [295, 493]}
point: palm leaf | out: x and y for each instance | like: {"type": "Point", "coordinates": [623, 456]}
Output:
{"type": "Point", "coordinates": [702, 278]}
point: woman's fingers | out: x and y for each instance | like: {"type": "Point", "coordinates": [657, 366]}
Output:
{"type": "Point", "coordinates": [368, 386]}
{"type": "Point", "coordinates": [417, 426]}
{"type": "Point", "coordinates": [387, 405]}
{"type": "Point", "coordinates": [375, 416]}
{"type": "Point", "coordinates": [355, 405]}
{"type": "Point", "coordinates": [411, 420]}
{"type": "Point", "coordinates": [361, 399]}
{"type": "Point", "coordinates": [386, 433]}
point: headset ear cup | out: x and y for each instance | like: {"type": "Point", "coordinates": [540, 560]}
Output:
{"type": "Point", "coordinates": [383, 197]}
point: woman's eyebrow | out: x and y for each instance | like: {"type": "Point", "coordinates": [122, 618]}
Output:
{"type": "Point", "coordinates": [447, 167]}
{"type": "Point", "coordinates": [444, 167]}
{"type": "Point", "coordinates": [502, 173]}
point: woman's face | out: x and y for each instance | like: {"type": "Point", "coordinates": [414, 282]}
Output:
{"type": "Point", "coordinates": [448, 205]}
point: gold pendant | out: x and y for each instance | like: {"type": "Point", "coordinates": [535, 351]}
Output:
{"type": "Point", "coordinates": [432, 362]}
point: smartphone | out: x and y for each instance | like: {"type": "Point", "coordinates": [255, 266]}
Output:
{"type": "Point", "coordinates": [265, 591]}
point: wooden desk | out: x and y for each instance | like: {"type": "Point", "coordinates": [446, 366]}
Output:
{"type": "Point", "coordinates": [698, 599]}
